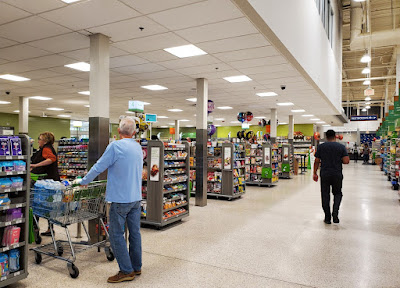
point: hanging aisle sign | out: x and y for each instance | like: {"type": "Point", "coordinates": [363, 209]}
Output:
{"type": "Point", "coordinates": [151, 118]}
{"type": "Point", "coordinates": [364, 118]}
{"type": "Point", "coordinates": [136, 106]}
{"type": "Point", "coordinates": [369, 92]}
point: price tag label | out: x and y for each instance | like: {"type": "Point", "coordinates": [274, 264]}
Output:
{"type": "Point", "coordinates": [18, 221]}
{"type": "Point", "coordinates": [3, 278]}
{"type": "Point", "coordinates": [7, 190]}
{"type": "Point", "coordinates": [18, 189]}
{"type": "Point", "coordinates": [20, 157]}
{"type": "Point", "coordinates": [21, 172]}
{"type": "Point", "coordinates": [5, 207]}
{"type": "Point", "coordinates": [8, 157]}
{"type": "Point", "coordinates": [18, 205]}
{"type": "Point", "coordinates": [7, 223]}
{"type": "Point", "coordinates": [17, 273]}
{"type": "Point", "coordinates": [10, 173]}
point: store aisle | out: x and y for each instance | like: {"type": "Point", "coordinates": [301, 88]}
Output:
{"type": "Point", "coordinates": [273, 237]}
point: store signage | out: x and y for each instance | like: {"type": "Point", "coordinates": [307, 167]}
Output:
{"type": "Point", "coordinates": [151, 118]}
{"type": "Point", "coordinates": [136, 106]}
{"type": "Point", "coordinates": [364, 118]}
{"type": "Point", "coordinates": [369, 92]}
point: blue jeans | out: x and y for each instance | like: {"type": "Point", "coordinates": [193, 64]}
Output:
{"type": "Point", "coordinates": [121, 213]}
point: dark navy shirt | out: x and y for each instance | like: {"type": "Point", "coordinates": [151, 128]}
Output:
{"type": "Point", "coordinates": [331, 154]}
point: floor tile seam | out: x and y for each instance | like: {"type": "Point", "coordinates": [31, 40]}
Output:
{"type": "Point", "coordinates": [229, 269]}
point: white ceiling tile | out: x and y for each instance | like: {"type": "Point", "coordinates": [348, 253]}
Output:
{"type": "Point", "coordinates": [157, 56]}
{"type": "Point", "coordinates": [121, 79]}
{"type": "Point", "coordinates": [149, 67]}
{"type": "Point", "coordinates": [197, 14]}
{"type": "Point", "coordinates": [39, 74]}
{"type": "Point", "coordinates": [267, 61]}
{"type": "Point", "coordinates": [235, 43]}
{"type": "Point", "coordinates": [6, 43]}
{"type": "Point", "coordinates": [221, 30]}
{"type": "Point", "coordinates": [48, 61]}
{"type": "Point", "coordinates": [157, 75]}
{"type": "Point", "coordinates": [62, 79]}
{"type": "Point", "coordinates": [62, 43]}
{"type": "Point", "coordinates": [274, 75]}
{"type": "Point", "coordinates": [126, 60]}
{"type": "Point", "coordinates": [190, 62]}
{"type": "Point", "coordinates": [21, 52]}
{"type": "Point", "coordinates": [3, 61]}
{"type": "Point", "coordinates": [90, 14]}
{"type": "Point", "coordinates": [267, 69]}
{"type": "Point", "coordinates": [146, 7]}
{"type": "Point", "coordinates": [204, 69]}
{"type": "Point", "coordinates": [36, 6]}
{"type": "Point", "coordinates": [16, 67]}
{"type": "Point", "coordinates": [151, 43]}
{"type": "Point", "coordinates": [129, 29]}
{"type": "Point", "coordinates": [84, 54]}
{"type": "Point", "coordinates": [252, 53]}
{"type": "Point", "coordinates": [10, 13]}
{"type": "Point", "coordinates": [30, 29]}
{"type": "Point", "coordinates": [64, 70]}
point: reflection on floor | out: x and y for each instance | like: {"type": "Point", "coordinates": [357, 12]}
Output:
{"type": "Point", "coordinates": [272, 237]}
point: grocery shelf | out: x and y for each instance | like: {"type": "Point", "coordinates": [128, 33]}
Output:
{"type": "Point", "coordinates": [7, 248]}
{"type": "Point", "coordinates": [174, 191]}
{"type": "Point", "coordinates": [21, 157]}
{"type": "Point", "coordinates": [13, 173]}
{"type": "Point", "coordinates": [12, 206]}
{"type": "Point", "coordinates": [8, 190]}
{"type": "Point", "coordinates": [176, 207]}
{"type": "Point", "coordinates": [13, 222]}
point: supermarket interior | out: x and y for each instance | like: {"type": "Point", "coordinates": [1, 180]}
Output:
{"type": "Point", "coordinates": [231, 103]}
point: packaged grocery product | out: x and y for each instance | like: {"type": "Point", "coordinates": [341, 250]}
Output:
{"type": "Point", "coordinates": [13, 260]}
{"type": "Point", "coordinates": [4, 200]}
{"type": "Point", "coordinates": [8, 166]}
{"type": "Point", "coordinates": [4, 146]}
{"type": "Point", "coordinates": [4, 271]}
{"type": "Point", "coordinates": [15, 143]}
{"type": "Point", "coordinates": [13, 214]}
{"type": "Point", "coordinates": [5, 183]}
{"type": "Point", "coordinates": [17, 182]}
{"type": "Point", "coordinates": [19, 165]}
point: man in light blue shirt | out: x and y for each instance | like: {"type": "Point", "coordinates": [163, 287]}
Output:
{"type": "Point", "coordinates": [124, 161]}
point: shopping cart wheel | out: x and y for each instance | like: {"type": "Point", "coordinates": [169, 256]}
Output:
{"type": "Point", "coordinates": [38, 239]}
{"type": "Point", "coordinates": [109, 254]}
{"type": "Point", "coordinates": [38, 258]}
{"type": "Point", "coordinates": [73, 270]}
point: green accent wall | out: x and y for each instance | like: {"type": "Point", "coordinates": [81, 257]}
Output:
{"type": "Point", "coordinates": [59, 127]}
{"type": "Point", "coordinates": [186, 132]}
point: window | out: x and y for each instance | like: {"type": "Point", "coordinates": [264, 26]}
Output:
{"type": "Point", "coordinates": [327, 17]}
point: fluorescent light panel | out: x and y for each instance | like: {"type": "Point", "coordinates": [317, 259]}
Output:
{"type": "Point", "coordinates": [224, 107]}
{"type": "Point", "coordinates": [219, 119]}
{"type": "Point", "coordinates": [321, 122]}
{"type": "Point", "coordinates": [87, 106]}
{"type": "Point", "coordinates": [13, 78]}
{"type": "Point", "coordinates": [162, 117]}
{"type": "Point", "coordinates": [326, 125]}
{"type": "Point", "coordinates": [70, 1]}
{"type": "Point", "coordinates": [307, 115]}
{"type": "Point", "coordinates": [154, 87]}
{"type": "Point", "coordinates": [84, 92]}
{"type": "Point", "coordinates": [175, 110]}
{"type": "Point", "coordinates": [81, 66]}
{"type": "Point", "coordinates": [164, 126]}
{"type": "Point", "coordinates": [298, 110]}
{"type": "Point", "coordinates": [55, 109]}
{"type": "Point", "coordinates": [236, 79]}
{"type": "Point", "coordinates": [235, 122]}
{"type": "Point", "coordinates": [315, 119]}
{"type": "Point", "coordinates": [42, 98]}
{"type": "Point", "coordinates": [64, 115]}
{"type": "Point", "coordinates": [266, 94]}
{"type": "Point", "coordinates": [283, 123]}
{"type": "Point", "coordinates": [4, 102]}
{"type": "Point", "coordinates": [192, 99]}
{"type": "Point", "coordinates": [185, 51]}
{"type": "Point", "coordinates": [260, 117]}
{"type": "Point", "coordinates": [129, 112]}
{"type": "Point", "coordinates": [285, 104]}
{"type": "Point", "coordinates": [184, 120]}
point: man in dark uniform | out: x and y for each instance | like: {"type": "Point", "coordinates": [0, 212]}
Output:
{"type": "Point", "coordinates": [330, 155]}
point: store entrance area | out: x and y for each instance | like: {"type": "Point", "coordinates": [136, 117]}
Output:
{"type": "Point", "coordinates": [273, 237]}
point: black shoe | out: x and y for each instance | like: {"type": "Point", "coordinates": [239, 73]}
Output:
{"type": "Point", "coordinates": [327, 221]}
{"type": "Point", "coordinates": [47, 233]}
{"type": "Point", "coordinates": [336, 220]}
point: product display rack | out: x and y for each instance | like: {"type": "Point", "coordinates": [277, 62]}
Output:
{"type": "Point", "coordinates": [286, 152]}
{"type": "Point", "coordinates": [72, 158]}
{"type": "Point", "coordinates": [255, 160]}
{"type": "Point", "coordinates": [19, 198]}
{"type": "Point", "coordinates": [214, 170]}
{"type": "Point", "coordinates": [192, 163]}
{"type": "Point", "coordinates": [265, 170]}
{"type": "Point", "coordinates": [167, 197]}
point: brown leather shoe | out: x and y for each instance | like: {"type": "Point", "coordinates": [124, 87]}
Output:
{"type": "Point", "coordinates": [121, 277]}
{"type": "Point", "coordinates": [137, 272]}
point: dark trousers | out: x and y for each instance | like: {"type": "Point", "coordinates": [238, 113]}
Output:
{"type": "Point", "coordinates": [326, 183]}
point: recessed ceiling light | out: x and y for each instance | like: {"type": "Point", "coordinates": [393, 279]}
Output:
{"type": "Point", "coordinates": [224, 107]}
{"type": "Point", "coordinates": [192, 99]}
{"type": "Point", "coordinates": [162, 117]}
{"type": "Point", "coordinates": [368, 107]}
{"type": "Point", "coordinates": [185, 51]}
{"type": "Point", "coordinates": [81, 66]}
{"type": "Point", "coordinates": [298, 110]}
{"type": "Point", "coordinates": [315, 119]}
{"type": "Point", "coordinates": [175, 110]}
{"type": "Point", "coordinates": [164, 126]}
{"type": "Point", "coordinates": [154, 87]}
{"type": "Point", "coordinates": [285, 104]}
{"type": "Point", "coordinates": [84, 92]}
{"type": "Point", "coordinates": [55, 109]}
{"type": "Point", "coordinates": [129, 112]}
{"type": "Point", "coordinates": [321, 122]}
{"type": "Point", "coordinates": [326, 125]}
{"type": "Point", "coordinates": [283, 123]}
{"type": "Point", "coordinates": [260, 117]}
{"type": "Point", "coordinates": [366, 70]}
{"type": "Point", "coordinates": [64, 115]}
{"type": "Point", "coordinates": [366, 58]}
{"type": "Point", "coordinates": [368, 103]}
{"type": "Point", "coordinates": [40, 98]}
{"type": "Point", "coordinates": [367, 82]}
{"type": "Point", "coordinates": [266, 94]}
{"type": "Point", "coordinates": [70, 1]}
{"type": "Point", "coordinates": [4, 102]}
{"type": "Point", "coordinates": [219, 119]}
{"type": "Point", "coordinates": [239, 78]}
{"type": "Point", "coordinates": [364, 110]}
{"type": "Point", "coordinates": [184, 120]}
{"type": "Point", "coordinates": [307, 115]}
{"type": "Point", "coordinates": [367, 98]}
{"type": "Point", "coordinates": [13, 78]}
{"type": "Point", "coordinates": [87, 106]}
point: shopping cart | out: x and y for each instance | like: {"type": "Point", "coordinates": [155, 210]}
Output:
{"type": "Point", "coordinates": [34, 232]}
{"type": "Point", "coordinates": [72, 205]}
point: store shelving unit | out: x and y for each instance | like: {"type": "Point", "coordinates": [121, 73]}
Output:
{"type": "Point", "coordinates": [72, 158]}
{"type": "Point", "coordinates": [192, 164]}
{"type": "Point", "coordinates": [286, 161]}
{"type": "Point", "coordinates": [19, 199]}
{"type": "Point", "coordinates": [264, 167]}
{"type": "Point", "coordinates": [214, 170]}
{"type": "Point", "coordinates": [167, 183]}
{"type": "Point", "coordinates": [255, 159]}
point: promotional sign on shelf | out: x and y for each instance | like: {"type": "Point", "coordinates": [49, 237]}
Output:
{"type": "Point", "coordinates": [227, 158]}
{"type": "Point", "coordinates": [155, 164]}
{"type": "Point", "coordinates": [136, 106]}
{"type": "Point", "coordinates": [364, 118]}
{"type": "Point", "coordinates": [151, 118]}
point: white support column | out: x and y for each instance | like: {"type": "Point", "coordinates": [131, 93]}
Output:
{"type": "Point", "coordinates": [397, 71]}
{"type": "Point", "coordinates": [358, 109]}
{"type": "Point", "coordinates": [23, 115]}
{"type": "Point", "coordinates": [201, 142]}
{"type": "Point", "coordinates": [291, 127]}
{"type": "Point", "coordinates": [382, 115]}
{"type": "Point", "coordinates": [387, 97]}
{"type": "Point", "coordinates": [274, 125]}
{"type": "Point", "coordinates": [177, 130]}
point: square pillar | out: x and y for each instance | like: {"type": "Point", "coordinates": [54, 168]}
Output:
{"type": "Point", "coordinates": [177, 130]}
{"type": "Point", "coordinates": [274, 124]}
{"type": "Point", "coordinates": [23, 116]}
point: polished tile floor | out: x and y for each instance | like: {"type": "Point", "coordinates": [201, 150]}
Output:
{"type": "Point", "coordinates": [273, 237]}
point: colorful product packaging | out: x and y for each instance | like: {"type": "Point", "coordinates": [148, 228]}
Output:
{"type": "Point", "coordinates": [4, 146]}
{"type": "Point", "coordinates": [4, 271]}
{"type": "Point", "coordinates": [13, 260]}
{"type": "Point", "coordinates": [15, 143]}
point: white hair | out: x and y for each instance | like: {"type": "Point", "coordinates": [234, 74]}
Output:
{"type": "Point", "coordinates": [127, 126]}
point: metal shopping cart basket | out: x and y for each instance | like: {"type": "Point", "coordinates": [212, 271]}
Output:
{"type": "Point", "coordinates": [73, 205]}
